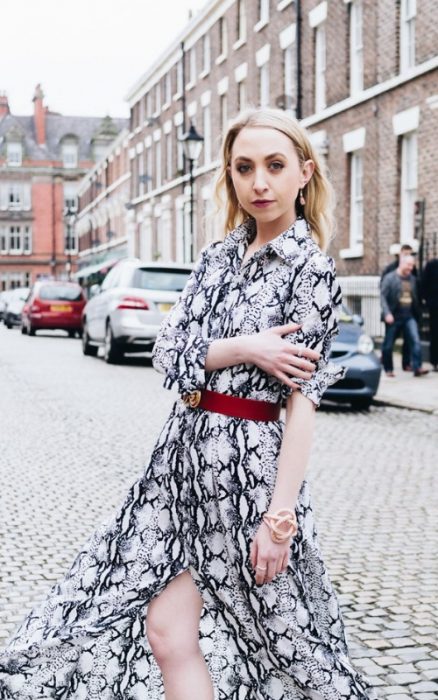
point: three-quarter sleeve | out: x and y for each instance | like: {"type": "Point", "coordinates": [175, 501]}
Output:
{"type": "Point", "coordinates": [180, 348]}
{"type": "Point", "coordinates": [316, 304]}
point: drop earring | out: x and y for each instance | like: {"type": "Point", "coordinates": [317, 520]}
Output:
{"type": "Point", "coordinates": [302, 200]}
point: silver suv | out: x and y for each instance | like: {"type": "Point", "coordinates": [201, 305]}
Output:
{"type": "Point", "coordinates": [124, 314]}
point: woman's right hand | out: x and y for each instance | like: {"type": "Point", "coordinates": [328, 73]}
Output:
{"type": "Point", "coordinates": [280, 358]}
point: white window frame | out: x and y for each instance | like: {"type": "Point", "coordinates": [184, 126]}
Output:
{"type": "Point", "coordinates": [223, 102]}
{"type": "Point", "coordinates": [146, 239]}
{"type": "Point", "coordinates": [149, 168]}
{"type": "Point", "coordinates": [70, 196]}
{"type": "Point", "coordinates": [192, 68]}
{"type": "Point", "coordinates": [164, 232]}
{"type": "Point", "coordinates": [262, 61]}
{"type": "Point", "coordinates": [158, 166]}
{"type": "Point", "coordinates": [179, 148]}
{"type": "Point", "coordinates": [241, 95]}
{"type": "Point", "coordinates": [356, 199]}
{"type": "Point", "coordinates": [15, 195]}
{"type": "Point", "coordinates": [14, 153]}
{"type": "Point", "coordinates": [157, 98]}
{"type": "Point", "coordinates": [4, 240]}
{"type": "Point", "coordinates": [289, 71]}
{"type": "Point", "coordinates": [70, 154]}
{"type": "Point", "coordinates": [149, 105]}
{"type": "Point", "coordinates": [167, 90]}
{"type": "Point", "coordinates": [263, 15]}
{"type": "Point", "coordinates": [223, 39]}
{"type": "Point", "coordinates": [264, 85]}
{"type": "Point", "coordinates": [169, 156]}
{"type": "Point", "coordinates": [73, 247]}
{"type": "Point", "coordinates": [179, 79]}
{"type": "Point", "coordinates": [241, 24]}
{"type": "Point", "coordinates": [354, 145]}
{"type": "Point", "coordinates": [206, 55]}
{"type": "Point", "coordinates": [320, 67]}
{"type": "Point", "coordinates": [356, 46]}
{"type": "Point", "coordinates": [408, 185]}
{"type": "Point", "coordinates": [408, 12]}
{"type": "Point", "coordinates": [206, 126]}
{"type": "Point", "coordinates": [15, 239]}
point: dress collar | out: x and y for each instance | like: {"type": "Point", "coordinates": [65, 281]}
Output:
{"type": "Point", "coordinates": [287, 245]}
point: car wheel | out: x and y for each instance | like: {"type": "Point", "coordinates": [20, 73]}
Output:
{"type": "Point", "coordinates": [362, 404]}
{"type": "Point", "coordinates": [112, 352]}
{"type": "Point", "coordinates": [71, 334]}
{"type": "Point", "coordinates": [87, 348]}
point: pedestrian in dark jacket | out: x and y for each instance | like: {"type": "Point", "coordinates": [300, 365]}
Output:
{"type": "Point", "coordinates": [400, 309]}
{"type": "Point", "coordinates": [405, 249]}
{"type": "Point", "coordinates": [430, 295]}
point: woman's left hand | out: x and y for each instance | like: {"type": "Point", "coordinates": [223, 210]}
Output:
{"type": "Point", "coordinates": [268, 558]}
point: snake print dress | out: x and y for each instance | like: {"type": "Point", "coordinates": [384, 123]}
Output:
{"type": "Point", "coordinates": [198, 506]}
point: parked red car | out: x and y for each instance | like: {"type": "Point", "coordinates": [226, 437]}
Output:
{"type": "Point", "coordinates": [54, 305]}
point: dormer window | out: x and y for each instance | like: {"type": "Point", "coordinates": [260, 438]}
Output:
{"type": "Point", "coordinates": [69, 154]}
{"type": "Point", "coordinates": [14, 153]}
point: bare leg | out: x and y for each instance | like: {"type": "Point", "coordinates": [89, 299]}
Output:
{"type": "Point", "coordinates": [172, 628]}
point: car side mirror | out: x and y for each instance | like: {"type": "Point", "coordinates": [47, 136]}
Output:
{"type": "Point", "coordinates": [358, 319]}
{"type": "Point", "coordinates": [94, 290]}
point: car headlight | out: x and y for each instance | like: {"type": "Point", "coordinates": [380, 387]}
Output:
{"type": "Point", "coordinates": [365, 344]}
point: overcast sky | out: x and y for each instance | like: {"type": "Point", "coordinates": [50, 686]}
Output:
{"type": "Point", "coordinates": [87, 53]}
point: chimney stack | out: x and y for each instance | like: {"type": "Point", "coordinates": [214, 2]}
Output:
{"type": "Point", "coordinates": [4, 104]}
{"type": "Point", "coordinates": [39, 116]}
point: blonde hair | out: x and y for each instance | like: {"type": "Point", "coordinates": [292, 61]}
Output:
{"type": "Point", "coordinates": [318, 193]}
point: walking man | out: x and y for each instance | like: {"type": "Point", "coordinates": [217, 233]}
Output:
{"type": "Point", "coordinates": [400, 309]}
{"type": "Point", "coordinates": [405, 249]}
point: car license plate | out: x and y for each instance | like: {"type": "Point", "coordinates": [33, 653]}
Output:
{"type": "Point", "coordinates": [60, 307]}
{"type": "Point", "coordinates": [165, 307]}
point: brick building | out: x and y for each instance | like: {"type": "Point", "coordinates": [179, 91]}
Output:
{"type": "Point", "coordinates": [362, 76]}
{"type": "Point", "coordinates": [42, 159]}
{"type": "Point", "coordinates": [103, 217]}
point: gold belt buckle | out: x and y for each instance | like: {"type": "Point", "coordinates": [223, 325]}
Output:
{"type": "Point", "coordinates": [191, 399]}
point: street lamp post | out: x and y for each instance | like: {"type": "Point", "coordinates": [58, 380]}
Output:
{"type": "Point", "coordinates": [192, 144]}
{"type": "Point", "coordinates": [69, 216]}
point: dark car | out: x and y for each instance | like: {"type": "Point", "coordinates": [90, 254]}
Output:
{"type": "Point", "coordinates": [14, 307]}
{"type": "Point", "coordinates": [53, 305]}
{"type": "Point", "coordinates": [354, 350]}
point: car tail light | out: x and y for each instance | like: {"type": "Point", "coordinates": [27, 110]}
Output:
{"type": "Point", "coordinates": [36, 306]}
{"type": "Point", "coordinates": [133, 303]}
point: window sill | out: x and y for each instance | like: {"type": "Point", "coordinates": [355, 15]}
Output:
{"type": "Point", "coordinates": [220, 59]}
{"type": "Point", "coordinates": [240, 42]}
{"type": "Point", "coordinates": [177, 96]}
{"type": "Point", "coordinates": [165, 106]}
{"type": "Point", "coordinates": [284, 3]}
{"type": "Point", "coordinates": [353, 252]}
{"type": "Point", "coordinates": [260, 25]}
{"type": "Point", "coordinates": [190, 85]}
{"type": "Point", "coordinates": [204, 73]}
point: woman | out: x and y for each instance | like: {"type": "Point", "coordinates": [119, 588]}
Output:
{"type": "Point", "coordinates": [218, 535]}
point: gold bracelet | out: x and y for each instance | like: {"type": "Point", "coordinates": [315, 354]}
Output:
{"type": "Point", "coordinates": [276, 521]}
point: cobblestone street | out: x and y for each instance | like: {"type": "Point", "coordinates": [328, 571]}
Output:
{"type": "Point", "coordinates": [76, 432]}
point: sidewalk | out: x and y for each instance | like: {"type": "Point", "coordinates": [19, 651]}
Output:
{"type": "Point", "coordinates": [406, 391]}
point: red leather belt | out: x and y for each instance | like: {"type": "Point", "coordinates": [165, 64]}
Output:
{"type": "Point", "coordinates": [233, 406]}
